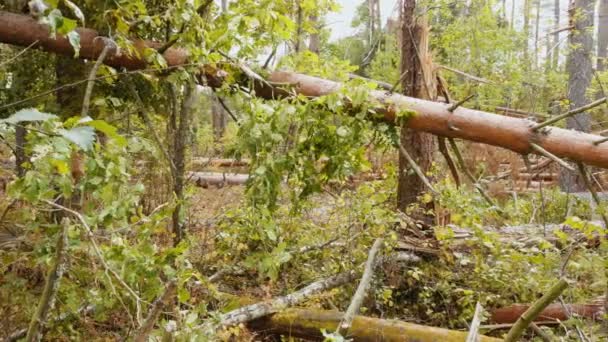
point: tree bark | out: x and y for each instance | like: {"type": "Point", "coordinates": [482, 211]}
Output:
{"type": "Point", "coordinates": [307, 324]}
{"type": "Point", "coordinates": [580, 72]}
{"type": "Point", "coordinates": [419, 145]}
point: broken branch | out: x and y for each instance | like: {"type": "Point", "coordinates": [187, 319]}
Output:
{"type": "Point", "coordinates": [254, 311]}
{"type": "Point", "coordinates": [533, 311]}
{"type": "Point", "coordinates": [364, 284]}
{"type": "Point", "coordinates": [568, 114]}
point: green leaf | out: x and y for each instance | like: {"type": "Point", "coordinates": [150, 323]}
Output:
{"type": "Point", "coordinates": [81, 136]}
{"type": "Point", "coordinates": [54, 20]}
{"type": "Point", "coordinates": [75, 10]}
{"type": "Point", "coordinates": [108, 130]}
{"type": "Point", "coordinates": [28, 114]}
{"type": "Point", "coordinates": [67, 26]}
{"type": "Point", "coordinates": [74, 39]}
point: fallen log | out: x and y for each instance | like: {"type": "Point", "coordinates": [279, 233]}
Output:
{"type": "Point", "coordinates": [219, 162]}
{"type": "Point", "coordinates": [553, 312]}
{"type": "Point", "coordinates": [206, 179]}
{"type": "Point", "coordinates": [307, 324]}
{"type": "Point", "coordinates": [255, 311]}
{"type": "Point", "coordinates": [432, 117]}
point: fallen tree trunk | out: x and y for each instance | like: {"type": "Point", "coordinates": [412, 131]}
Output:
{"type": "Point", "coordinates": [219, 162]}
{"type": "Point", "coordinates": [553, 312]}
{"type": "Point", "coordinates": [432, 117]}
{"type": "Point", "coordinates": [307, 324]}
{"type": "Point", "coordinates": [206, 179]}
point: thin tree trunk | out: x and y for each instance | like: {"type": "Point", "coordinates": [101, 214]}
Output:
{"type": "Point", "coordinates": [299, 23]}
{"type": "Point", "coordinates": [179, 159]}
{"type": "Point", "coordinates": [526, 31]}
{"type": "Point", "coordinates": [602, 36]}
{"type": "Point", "coordinates": [224, 5]}
{"type": "Point", "coordinates": [419, 145]}
{"type": "Point", "coordinates": [579, 67]}
{"type": "Point", "coordinates": [555, 55]}
{"type": "Point", "coordinates": [314, 43]}
{"type": "Point", "coordinates": [537, 34]}
{"type": "Point", "coordinates": [371, 25]}
{"type": "Point", "coordinates": [513, 14]}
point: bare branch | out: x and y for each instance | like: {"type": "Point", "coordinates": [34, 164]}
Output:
{"type": "Point", "coordinates": [361, 292]}
{"type": "Point", "coordinates": [96, 249]}
{"type": "Point", "coordinates": [91, 80]}
{"type": "Point", "coordinates": [417, 169]}
{"type": "Point", "coordinates": [254, 311]}
{"type": "Point", "coordinates": [569, 114]}
{"type": "Point", "coordinates": [551, 156]}
{"type": "Point", "coordinates": [155, 311]}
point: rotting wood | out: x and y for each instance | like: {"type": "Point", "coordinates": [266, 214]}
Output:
{"type": "Point", "coordinates": [432, 117]}
{"type": "Point", "coordinates": [535, 310]}
{"type": "Point", "coordinates": [307, 324]}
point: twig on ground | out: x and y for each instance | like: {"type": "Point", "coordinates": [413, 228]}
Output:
{"type": "Point", "coordinates": [362, 289]}
{"type": "Point", "coordinates": [475, 323]}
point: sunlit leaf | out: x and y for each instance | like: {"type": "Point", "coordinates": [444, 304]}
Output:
{"type": "Point", "coordinates": [28, 114]}
{"type": "Point", "coordinates": [82, 136]}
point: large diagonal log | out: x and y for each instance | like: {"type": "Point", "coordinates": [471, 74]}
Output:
{"type": "Point", "coordinates": [478, 126]}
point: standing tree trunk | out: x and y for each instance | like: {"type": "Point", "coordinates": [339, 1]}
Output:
{"type": "Point", "coordinates": [537, 34]}
{"type": "Point", "coordinates": [371, 23]}
{"type": "Point", "coordinates": [314, 43]}
{"type": "Point", "coordinates": [224, 5]}
{"type": "Point", "coordinates": [526, 32]}
{"type": "Point", "coordinates": [579, 67]}
{"type": "Point", "coordinates": [299, 22]}
{"type": "Point", "coordinates": [602, 36]}
{"type": "Point", "coordinates": [180, 145]}
{"type": "Point", "coordinates": [555, 55]}
{"type": "Point", "coordinates": [417, 67]}
{"type": "Point", "coordinates": [218, 116]}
